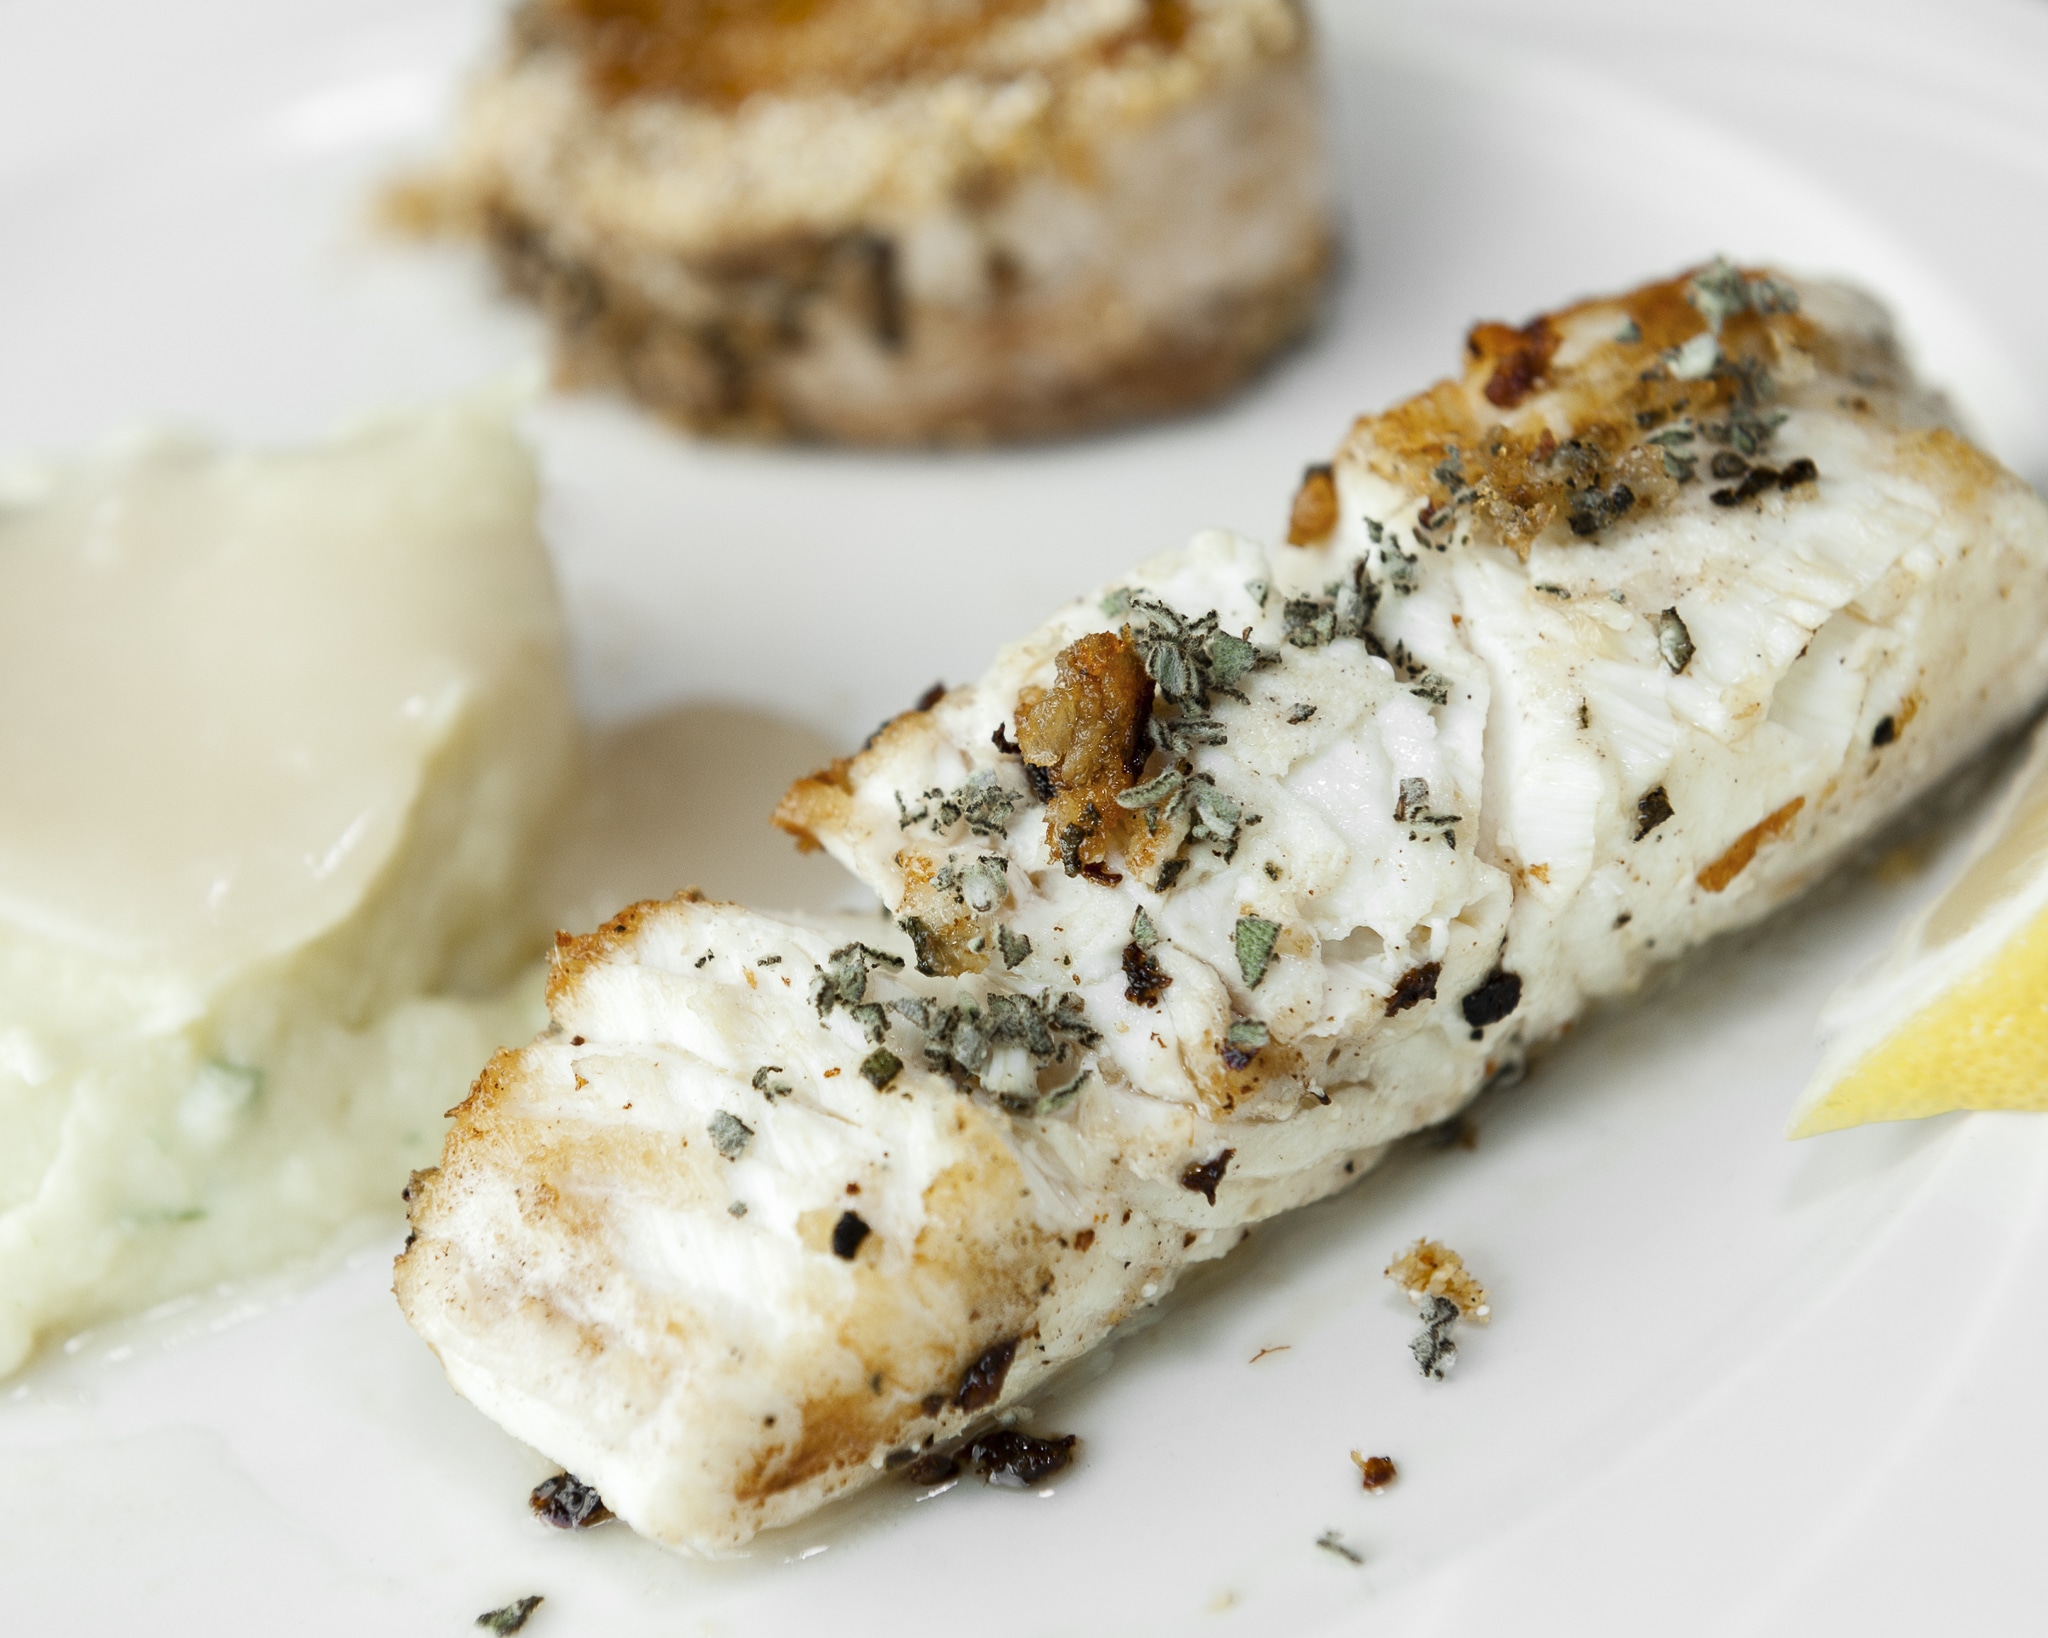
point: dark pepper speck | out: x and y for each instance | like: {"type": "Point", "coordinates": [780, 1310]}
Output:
{"type": "Point", "coordinates": [847, 1235]}
{"type": "Point", "coordinates": [933, 1467]}
{"type": "Point", "coordinates": [1017, 1461]}
{"type": "Point", "coordinates": [1144, 983]}
{"type": "Point", "coordinates": [981, 1384]}
{"type": "Point", "coordinates": [1653, 807]}
{"type": "Point", "coordinates": [1415, 986]}
{"type": "Point", "coordinates": [1498, 996]}
{"type": "Point", "coordinates": [1203, 1179]}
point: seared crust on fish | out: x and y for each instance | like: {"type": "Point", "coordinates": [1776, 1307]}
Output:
{"type": "Point", "coordinates": [1222, 881]}
{"type": "Point", "coordinates": [887, 222]}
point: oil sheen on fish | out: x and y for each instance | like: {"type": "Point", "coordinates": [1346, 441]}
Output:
{"type": "Point", "coordinates": [1219, 883]}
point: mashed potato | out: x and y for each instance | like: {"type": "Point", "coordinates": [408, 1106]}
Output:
{"type": "Point", "coordinates": [279, 737]}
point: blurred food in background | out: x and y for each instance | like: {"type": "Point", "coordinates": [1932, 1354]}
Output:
{"type": "Point", "coordinates": [900, 221]}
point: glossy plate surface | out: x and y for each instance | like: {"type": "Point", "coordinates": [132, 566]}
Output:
{"type": "Point", "coordinates": [1731, 1384]}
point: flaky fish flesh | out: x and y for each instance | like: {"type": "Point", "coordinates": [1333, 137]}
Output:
{"type": "Point", "coordinates": [1219, 883]}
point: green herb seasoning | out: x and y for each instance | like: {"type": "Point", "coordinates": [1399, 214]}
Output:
{"type": "Point", "coordinates": [512, 1617]}
{"type": "Point", "coordinates": [1191, 660]}
{"type": "Point", "coordinates": [730, 1135]}
{"type": "Point", "coordinates": [1722, 290]}
{"type": "Point", "coordinates": [1043, 1103]}
{"type": "Point", "coordinates": [985, 883]}
{"type": "Point", "coordinates": [961, 1039]}
{"type": "Point", "coordinates": [1157, 798]}
{"type": "Point", "coordinates": [1344, 610]}
{"type": "Point", "coordinates": [1255, 936]}
{"type": "Point", "coordinates": [843, 982]}
{"type": "Point", "coordinates": [1143, 933]}
{"type": "Point", "coordinates": [880, 1067]}
{"type": "Point", "coordinates": [1241, 1042]}
{"type": "Point", "coordinates": [1412, 808]}
{"type": "Point", "coordinates": [982, 801]}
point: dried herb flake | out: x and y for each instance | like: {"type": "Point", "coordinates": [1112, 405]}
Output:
{"type": "Point", "coordinates": [567, 1503]}
{"type": "Point", "coordinates": [1434, 1348]}
{"type": "Point", "coordinates": [1254, 938]}
{"type": "Point", "coordinates": [730, 1135]}
{"type": "Point", "coordinates": [512, 1617]}
{"type": "Point", "coordinates": [1241, 1043]}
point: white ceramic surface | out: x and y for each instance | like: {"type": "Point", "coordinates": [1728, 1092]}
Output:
{"type": "Point", "coordinates": [1732, 1385]}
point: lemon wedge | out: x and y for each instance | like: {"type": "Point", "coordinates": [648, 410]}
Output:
{"type": "Point", "coordinates": [1956, 1016]}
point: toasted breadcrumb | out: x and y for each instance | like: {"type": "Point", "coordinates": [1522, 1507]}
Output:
{"type": "Point", "coordinates": [1430, 1269]}
{"type": "Point", "coordinates": [1376, 1472]}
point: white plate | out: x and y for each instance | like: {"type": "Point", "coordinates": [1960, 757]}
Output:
{"type": "Point", "coordinates": [1731, 1384]}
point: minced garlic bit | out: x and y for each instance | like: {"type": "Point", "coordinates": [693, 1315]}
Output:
{"type": "Point", "coordinates": [1430, 1269]}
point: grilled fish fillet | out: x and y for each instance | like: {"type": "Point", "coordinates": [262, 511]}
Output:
{"type": "Point", "coordinates": [905, 221]}
{"type": "Point", "coordinates": [1221, 882]}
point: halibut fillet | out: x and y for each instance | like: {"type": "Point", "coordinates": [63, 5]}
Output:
{"type": "Point", "coordinates": [1220, 882]}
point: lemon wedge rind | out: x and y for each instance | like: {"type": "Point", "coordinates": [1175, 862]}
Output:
{"type": "Point", "coordinates": [1956, 1015]}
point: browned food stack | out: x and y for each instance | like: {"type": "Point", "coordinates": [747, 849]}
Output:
{"type": "Point", "coordinates": [903, 221]}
